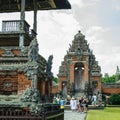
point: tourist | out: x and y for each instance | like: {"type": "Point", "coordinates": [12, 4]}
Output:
{"type": "Point", "coordinates": [85, 104]}
{"type": "Point", "coordinates": [99, 99]}
{"type": "Point", "coordinates": [73, 104]}
{"type": "Point", "coordinates": [58, 99]}
{"type": "Point", "coordinates": [107, 100]}
{"type": "Point", "coordinates": [55, 101]}
{"type": "Point", "coordinates": [78, 105]}
{"type": "Point", "coordinates": [81, 104]}
{"type": "Point", "coordinates": [62, 103]}
{"type": "Point", "coordinates": [90, 99]}
{"type": "Point", "coordinates": [94, 99]}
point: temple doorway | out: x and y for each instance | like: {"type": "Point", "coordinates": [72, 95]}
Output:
{"type": "Point", "coordinates": [79, 77]}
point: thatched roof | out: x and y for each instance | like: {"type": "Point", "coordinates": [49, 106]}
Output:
{"type": "Point", "coordinates": [15, 5]}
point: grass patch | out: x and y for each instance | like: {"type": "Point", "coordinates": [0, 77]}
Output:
{"type": "Point", "coordinates": [109, 113]}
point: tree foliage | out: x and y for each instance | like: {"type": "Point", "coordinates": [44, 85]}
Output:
{"type": "Point", "coordinates": [114, 99]}
{"type": "Point", "coordinates": [110, 79]}
{"type": "Point", "coordinates": [55, 79]}
{"type": "Point", "coordinates": [113, 78]}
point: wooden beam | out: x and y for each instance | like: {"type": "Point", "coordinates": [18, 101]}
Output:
{"type": "Point", "coordinates": [35, 16]}
{"type": "Point", "coordinates": [21, 39]}
{"type": "Point", "coordinates": [22, 9]}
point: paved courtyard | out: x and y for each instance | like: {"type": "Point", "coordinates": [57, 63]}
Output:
{"type": "Point", "coordinates": [69, 115]}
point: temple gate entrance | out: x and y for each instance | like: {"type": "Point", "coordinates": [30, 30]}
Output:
{"type": "Point", "coordinates": [79, 69]}
{"type": "Point", "coordinates": [79, 76]}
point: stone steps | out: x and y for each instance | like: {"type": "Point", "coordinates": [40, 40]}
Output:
{"type": "Point", "coordinates": [79, 94]}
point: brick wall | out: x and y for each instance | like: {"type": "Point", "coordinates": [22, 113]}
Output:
{"type": "Point", "coordinates": [16, 52]}
{"type": "Point", "coordinates": [1, 52]}
{"type": "Point", "coordinates": [111, 88]}
{"type": "Point", "coordinates": [23, 83]}
{"type": "Point", "coordinates": [55, 89]}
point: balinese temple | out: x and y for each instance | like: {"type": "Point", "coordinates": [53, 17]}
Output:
{"type": "Point", "coordinates": [25, 75]}
{"type": "Point", "coordinates": [79, 73]}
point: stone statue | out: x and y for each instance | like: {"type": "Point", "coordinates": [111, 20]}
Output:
{"type": "Point", "coordinates": [33, 51]}
{"type": "Point", "coordinates": [49, 65]}
{"type": "Point", "coordinates": [72, 89]}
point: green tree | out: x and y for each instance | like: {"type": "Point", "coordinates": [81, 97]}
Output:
{"type": "Point", "coordinates": [105, 79]}
{"type": "Point", "coordinates": [55, 79]}
{"type": "Point", "coordinates": [114, 99]}
{"type": "Point", "coordinates": [109, 79]}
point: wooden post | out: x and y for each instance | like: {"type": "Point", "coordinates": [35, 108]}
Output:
{"type": "Point", "coordinates": [22, 18]}
{"type": "Point", "coordinates": [22, 10]}
{"type": "Point", "coordinates": [35, 16]}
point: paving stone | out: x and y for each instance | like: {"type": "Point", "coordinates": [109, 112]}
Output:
{"type": "Point", "coordinates": [69, 115]}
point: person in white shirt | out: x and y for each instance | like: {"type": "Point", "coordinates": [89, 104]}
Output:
{"type": "Point", "coordinates": [94, 99]}
{"type": "Point", "coordinates": [73, 104]}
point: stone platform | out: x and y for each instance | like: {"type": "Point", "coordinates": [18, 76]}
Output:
{"type": "Point", "coordinates": [67, 107]}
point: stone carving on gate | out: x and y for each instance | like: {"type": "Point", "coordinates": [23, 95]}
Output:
{"type": "Point", "coordinates": [49, 65]}
{"type": "Point", "coordinates": [31, 95]}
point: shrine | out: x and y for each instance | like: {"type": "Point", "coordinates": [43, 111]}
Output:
{"type": "Point", "coordinates": [79, 73]}
{"type": "Point", "coordinates": [25, 75]}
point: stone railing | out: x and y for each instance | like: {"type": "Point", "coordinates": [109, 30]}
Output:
{"type": "Point", "coordinates": [16, 26]}
{"type": "Point", "coordinates": [53, 111]}
{"type": "Point", "coordinates": [16, 112]}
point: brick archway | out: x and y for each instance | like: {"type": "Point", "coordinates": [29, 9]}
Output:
{"type": "Point", "coordinates": [79, 76]}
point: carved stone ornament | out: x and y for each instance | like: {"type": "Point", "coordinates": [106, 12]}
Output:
{"type": "Point", "coordinates": [31, 95]}
{"type": "Point", "coordinates": [33, 51]}
{"type": "Point", "coordinates": [8, 53]}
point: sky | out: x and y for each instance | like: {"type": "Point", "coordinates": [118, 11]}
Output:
{"type": "Point", "coordinates": [98, 20]}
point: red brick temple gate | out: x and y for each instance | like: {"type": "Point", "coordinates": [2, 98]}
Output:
{"type": "Point", "coordinates": [79, 72]}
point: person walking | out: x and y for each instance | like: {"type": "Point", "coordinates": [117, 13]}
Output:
{"type": "Point", "coordinates": [78, 105]}
{"type": "Point", "coordinates": [55, 100]}
{"type": "Point", "coordinates": [81, 109]}
{"type": "Point", "coordinates": [85, 104]}
{"type": "Point", "coordinates": [99, 96]}
{"type": "Point", "coordinates": [94, 99]}
{"type": "Point", "coordinates": [62, 103]}
{"type": "Point", "coordinates": [73, 104]}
